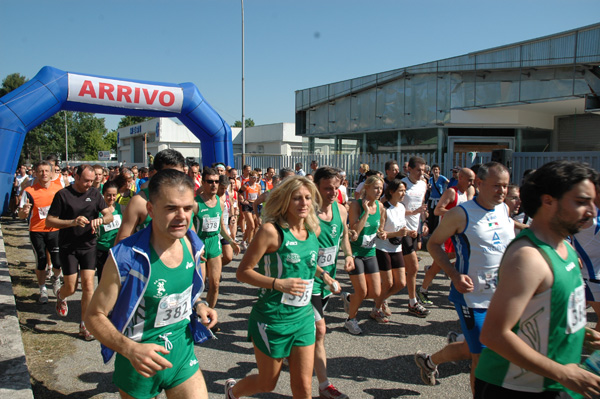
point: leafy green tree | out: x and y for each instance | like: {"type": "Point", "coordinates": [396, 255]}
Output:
{"type": "Point", "coordinates": [249, 123]}
{"type": "Point", "coordinates": [132, 120]}
{"type": "Point", "coordinates": [11, 82]}
{"type": "Point", "coordinates": [110, 141]}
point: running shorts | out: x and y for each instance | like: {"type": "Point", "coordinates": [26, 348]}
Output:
{"type": "Point", "coordinates": [366, 265]}
{"type": "Point", "coordinates": [182, 358]}
{"type": "Point", "coordinates": [276, 340]}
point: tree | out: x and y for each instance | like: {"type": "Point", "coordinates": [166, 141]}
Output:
{"type": "Point", "coordinates": [249, 123]}
{"type": "Point", "coordinates": [110, 141]}
{"type": "Point", "coordinates": [11, 82]}
{"type": "Point", "coordinates": [132, 120]}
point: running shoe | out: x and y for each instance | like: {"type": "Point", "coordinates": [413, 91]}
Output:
{"type": "Point", "coordinates": [85, 333]}
{"type": "Point", "coordinates": [423, 297]}
{"type": "Point", "coordinates": [228, 387]}
{"type": "Point", "coordinates": [55, 284]}
{"type": "Point", "coordinates": [346, 300]}
{"type": "Point", "coordinates": [43, 299]}
{"type": "Point", "coordinates": [378, 315]}
{"type": "Point", "coordinates": [352, 326]}
{"type": "Point", "coordinates": [428, 374]}
{"type": "Point", "coordinates": [331, 392]}
{"type": "Point", "coordinates": [418, 310]}
{"type": "Point", "coordinates": [386, 309]}
{"type": "Point", "coordinates": [62, 309]}
{"type": "Point", "coordinates": [453, 337]}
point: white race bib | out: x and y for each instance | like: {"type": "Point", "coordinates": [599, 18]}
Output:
{"type": "Point", "coordinates": [43, 211]}
{"type": "Point", "coordinates": [368, 240]}
{"type": "Point", "coordinates": [115, 224]}
{"type": "Point", "coordinates": [210, 225]}
{"type": "Point", "coordinates": [576, 314]}
{"type": "Point", "coordinates": [327, 256]}
{"type": "Point", "coordinates": [174, 308]}
{"type": "Point", "coordinates": [299, 301]}
{"type": "Point", "coordinates": [252, 196]}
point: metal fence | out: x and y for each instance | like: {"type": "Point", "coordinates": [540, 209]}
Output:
{"type": "Point", "coordinates": [349, 163]}
{"type": "Point", "coordinates": [521, 161]}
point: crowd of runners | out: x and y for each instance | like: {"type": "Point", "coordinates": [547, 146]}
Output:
{"type": "Point", "coordinates": [523, 260]}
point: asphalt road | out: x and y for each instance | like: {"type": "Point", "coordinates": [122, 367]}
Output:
{"type": "Point", "coordinates": [377, 364]}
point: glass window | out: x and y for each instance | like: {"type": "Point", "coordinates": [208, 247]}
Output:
{"type": "Point", "coordinates": [382, 142]}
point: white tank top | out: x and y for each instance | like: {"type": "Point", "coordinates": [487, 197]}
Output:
{"type": "Point", "coordinates": [587, 244]}
{"type": "Point", "coordinates": [394, 221]}
{"type": "Point", "coordinates": [415, 193]}
{"type": "Point", "coordinates": [479, 249]}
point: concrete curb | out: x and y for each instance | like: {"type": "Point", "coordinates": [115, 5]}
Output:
{"type": "Point", "coordinates": [14, 375]}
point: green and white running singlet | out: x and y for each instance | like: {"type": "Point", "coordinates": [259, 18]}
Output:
{"type": "Point", "coordinates": [107, 233]}
{"type": "Point", "coordinates": [329, 246]}
{"type": "Point", "coordinates": [364, 246]}
{"type": "Point", "coordinates": [552, 323]}
{"type": "Point", "coordinates": [294, 259]}
{"type": "Point", "coordinates": [166, 304]}
{"type": "Point", "coordinates": [209, 226]}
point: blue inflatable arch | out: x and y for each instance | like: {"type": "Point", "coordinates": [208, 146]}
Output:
{"type": "Point", "coordinates": [53, 90]}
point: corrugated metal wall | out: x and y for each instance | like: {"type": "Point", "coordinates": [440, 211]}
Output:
{"type": "Point", "coordinates": [579, 133]}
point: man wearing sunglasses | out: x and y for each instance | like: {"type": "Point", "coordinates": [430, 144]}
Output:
{"type": "Point", "coordinates": [210, 225]}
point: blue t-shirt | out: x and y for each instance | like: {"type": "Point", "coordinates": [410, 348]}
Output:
{"type": "Point", "coordinates": [438, 187]}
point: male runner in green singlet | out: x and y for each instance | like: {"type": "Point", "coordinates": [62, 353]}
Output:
{"type": "Point", "coordinates": [333, 221]}
{"type": "Point", "coordinates": [536, 322]}
{"type": "Point", "coordinates": [147, 304]}
{"type": "Point", "coordinates": [210, 216]}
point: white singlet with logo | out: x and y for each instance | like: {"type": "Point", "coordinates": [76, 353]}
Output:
{"type": "Point", "coordinates": [415, 193]}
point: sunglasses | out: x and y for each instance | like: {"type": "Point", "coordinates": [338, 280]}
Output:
{"type": "Point", "coordinates": [211, 181]}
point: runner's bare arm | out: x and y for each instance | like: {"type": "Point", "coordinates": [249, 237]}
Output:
{"type": "Point", "coordinates": [524, 273]}
{"type": "Point", "coordinates": [453, 222]}
{"type": "Point", "coordinates": [145, 358]}
{"type": "Point", "coordinates": [447, 198]}
{"type": "Point", "coordinates": [266, 241]}
{"type": "Point", "coordinates": [135, 212]}
{"type": "Point", "coordinates": [345, 244]}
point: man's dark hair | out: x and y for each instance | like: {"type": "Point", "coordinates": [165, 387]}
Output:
{"type": "Point", "coordinates": [484, 170]}
{"type": "Point", "coordinates": [109, 184]}
{"type": "Point", "coordinates": [209, 172]}
{"type": "Point", "coordinates": [324, 173]}
{"type": "Point", "coordinates": [168, 178]}
{"type": "Point", "coordinates": [372, 173]}
{"type": "Point", "coordinates": [52, 158]}
{"type": "Point", "coordinates": [41, 163]}
{"type": "Point", "coordinates": [414, 161]}
{"type": "Point", "coordinates": [224, 180]}
{"type": "Point", "coordinates": [168, 157]}
{"type": "Point", "coordinates": [555, 179]}
{"type": "Point", "coordinates": [283, 172]}
{"type": "Point", "coordinates": [389, 164]}
{"type": "Point", "coordinates": [82, 167]}
{"type": "Point", "coordinates": [299, 165]}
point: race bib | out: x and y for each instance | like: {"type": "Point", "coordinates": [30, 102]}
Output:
{"type": "Point", "coordinates": [299, 301]}
{"type": "Point", "coordinates": [115, 224]}
{"type": "Point", "coordinates": [174, 308]}
{"type": "Point", "coordinates": [43, 211]}
{"type": "Point", "coordinates": [210, 225]}
{"type": "Point", "coordinates": [368, 240]}
{"type": "Point", "coordinates": [576, 314]}
{"type": "Point", "coordinates": [488, 281]}
{"type": "Point", "coordinates": [252, 196]}
{"type": "Point", "coordinates": [327, 256]}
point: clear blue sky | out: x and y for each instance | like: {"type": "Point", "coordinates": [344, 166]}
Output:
{"type": "Point", "coordinates": [290, 45]}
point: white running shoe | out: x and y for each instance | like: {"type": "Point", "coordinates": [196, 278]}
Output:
{"type": "Point", "coordinates": [352, 326]}
{"type": "Point", "coordinates": [428, 374]}
{"type": "Point", "coordinates": [55, 284]}
{"type": "Point", "coordinates": [43, 299]}
{"type": "Point", "coordinates": [228, 387]}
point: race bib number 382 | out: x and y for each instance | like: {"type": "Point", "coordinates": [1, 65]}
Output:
{"type": "Point", "coordinates": [174, 308]}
